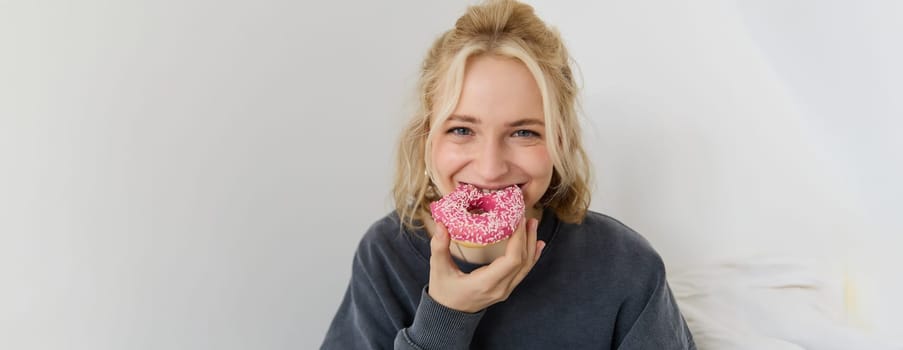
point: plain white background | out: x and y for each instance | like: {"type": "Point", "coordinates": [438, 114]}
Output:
{"type": "Point", "coordinates": [196, 174]}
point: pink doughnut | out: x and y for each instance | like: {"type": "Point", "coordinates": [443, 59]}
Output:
{"type": "Point", "coordinates": [499, 214]}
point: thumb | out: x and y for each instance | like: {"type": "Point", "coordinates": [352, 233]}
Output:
{"type": "Point", "coordinates": [440, 257]}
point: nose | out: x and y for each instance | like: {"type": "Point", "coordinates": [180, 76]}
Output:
{"type": "Point", "coordinates": [492, 162]}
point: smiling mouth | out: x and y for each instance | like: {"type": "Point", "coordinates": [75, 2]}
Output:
{"type": "Point", "coordinates": [490, 190]}
{"type": "Point", "coordinates": [521, 186]}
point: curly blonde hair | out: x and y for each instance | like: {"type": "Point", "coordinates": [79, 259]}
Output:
{"type": "Point", "coordinates": [505, 28]}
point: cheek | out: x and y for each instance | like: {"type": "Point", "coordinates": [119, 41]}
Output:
{"type": "Point", "coordinates": [539, 165]}
{"type": "Point", "coordinates": [440, 154]}
{"type": "Point", "coordinates": [447, 157]}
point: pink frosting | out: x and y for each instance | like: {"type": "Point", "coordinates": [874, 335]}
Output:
{"type": "Point", "coordinates": [502, 212]}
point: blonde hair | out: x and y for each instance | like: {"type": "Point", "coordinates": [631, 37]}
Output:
{"type": "Point", "coordinates": [505, 28]}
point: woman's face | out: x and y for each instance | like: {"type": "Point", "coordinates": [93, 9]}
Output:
{"type": "Point", "coordinates": [496, 135]}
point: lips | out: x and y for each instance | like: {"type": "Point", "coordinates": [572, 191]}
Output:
{"type": "Point", "coordinates": [489, 188]}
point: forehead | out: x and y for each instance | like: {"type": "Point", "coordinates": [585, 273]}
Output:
{"type": "Point", "coordinates": [498, 89]}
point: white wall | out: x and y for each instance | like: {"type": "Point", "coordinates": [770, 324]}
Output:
{"type": "Point", "coordinates": [196, 174]}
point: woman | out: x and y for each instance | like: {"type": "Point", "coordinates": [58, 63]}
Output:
{"type": "Point", "coordinates": [498, 109]}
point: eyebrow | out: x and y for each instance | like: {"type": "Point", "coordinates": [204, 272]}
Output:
{"type": "Point", "coordinates": [516, 123]}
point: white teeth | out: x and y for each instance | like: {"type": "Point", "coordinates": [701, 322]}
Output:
{"type": "Point", "coordinates": [490, 191]}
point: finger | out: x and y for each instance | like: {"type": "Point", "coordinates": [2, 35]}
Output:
{"type": "Point", "coordinates": [499, 272]}
{"type": "Point", "coordinates": [506, 267]}
{"type": "Point", "coordinates": [532, 226]}
{"type": "Point", "coordinates": [540, 245]}
{"type": "Point", "coordinates": [530, 259]}
{"type": "Point", "coordinates": [440, 258]}
{"type": "Point", "coordinates": [516, 247]}
{"type": "Point", "coordinates": [529, 244]}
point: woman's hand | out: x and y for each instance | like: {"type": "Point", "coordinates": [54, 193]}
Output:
{"type": "Point", "coordinates": [486, 285]}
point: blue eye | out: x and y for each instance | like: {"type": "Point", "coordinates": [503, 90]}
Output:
{"type": "Point", "coordinates": [525, 133]}
{"type": "Point", "coordinates": [460, 131]}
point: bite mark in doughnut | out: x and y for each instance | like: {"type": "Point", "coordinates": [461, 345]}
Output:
{"type": "Point", "coordinates": [477, 219]}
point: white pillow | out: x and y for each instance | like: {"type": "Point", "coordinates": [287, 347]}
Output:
{"type": "Point", "coordinates": [766, 303]}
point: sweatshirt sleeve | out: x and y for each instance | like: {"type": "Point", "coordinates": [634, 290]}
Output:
{"type": "Point", "coordinates": [438, 327]}
{"type": "Point", "coordinates": [363, 320]}
{"type": "Point", "coordinates": [371, 315]}
{"type": "Point", "coordinates": [660, 324]}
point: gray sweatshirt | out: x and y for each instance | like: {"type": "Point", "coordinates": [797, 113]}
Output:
{"type": "Point", "coordinates": [597, 285]}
